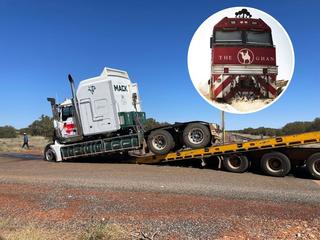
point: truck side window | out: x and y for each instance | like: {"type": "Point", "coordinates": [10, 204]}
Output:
{"type": "Point", "coordinates": [67, 112]}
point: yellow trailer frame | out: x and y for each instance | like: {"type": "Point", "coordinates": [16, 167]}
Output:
{"type": "Point", "coordinates": [256, 145]}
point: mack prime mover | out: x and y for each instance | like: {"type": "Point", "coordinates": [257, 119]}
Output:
{"type": "Point", "coordinates": [104, 116]}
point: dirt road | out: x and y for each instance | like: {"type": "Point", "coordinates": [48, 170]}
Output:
{"type": "Point", "coordinates": [172, 202]}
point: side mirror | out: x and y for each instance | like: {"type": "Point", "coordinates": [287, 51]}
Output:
{"type": "Point", "coordinates": [53, 107]}
{"type": "Point", "coordinates": [52, 101]}
{"type": "Point", "coordinates": [134, 100]}
{"type": "Point", "coordinates": [134, 96]}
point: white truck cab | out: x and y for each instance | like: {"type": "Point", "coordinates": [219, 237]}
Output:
{"type": "Point", "coordinates": [105, 116]}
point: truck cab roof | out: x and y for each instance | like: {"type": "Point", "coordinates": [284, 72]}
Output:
{"type": "Point", "coordinates": [66, 102]}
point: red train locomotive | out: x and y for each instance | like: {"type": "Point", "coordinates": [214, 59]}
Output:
{"type": "Point", "coordinates": [243, 61]}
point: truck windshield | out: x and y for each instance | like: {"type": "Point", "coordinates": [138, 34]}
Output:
{"type": "Point", "coordinates": [67, 112]}
{"type": "Point", "coordinates": [261, 38]}
{"type": "Point", "coordinates": [228, 36]}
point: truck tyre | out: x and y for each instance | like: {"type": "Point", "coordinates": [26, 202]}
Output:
{"type": "Point", "coordinates": [160, 142]}
{"type": "Point", "coordinates": [236, 163]}
{"type": "Point", "coordinates": [49, 155]}
{"type": "Point", "coordinates": [313, 165]}
{"type": "Point", "coordinates": [275, 164]}
{"type": "Point", "coordinates": [196, 135]}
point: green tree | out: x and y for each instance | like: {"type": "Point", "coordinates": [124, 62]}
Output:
{"type": "Point", "coordinates": [8, 132]}
{"type": "Point", "coordinates": [314, 126]}
{"type": "Point", "coordinates": [261, 131]}
{"type": "Point", "coordinates": [151, 123]}
{"type": "Point", "coordinates": [24, 130]}
{"type": "Point", "coordinates": [295, 127]}
{"type": "Point", "coordinates": [41, 127]}
{"type": "Point", "coordinates": [247, 131]}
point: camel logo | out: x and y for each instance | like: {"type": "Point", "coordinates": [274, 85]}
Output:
{"type": "Point", "coordinates": [245, 56]}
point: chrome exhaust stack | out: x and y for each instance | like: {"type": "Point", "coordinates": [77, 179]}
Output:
{"type": "Point", "coordinates": [76, 107]}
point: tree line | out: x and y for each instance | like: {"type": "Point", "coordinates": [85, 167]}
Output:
{"type": "Point", "coordinates": [288, 129]}
{"type": "Point", "coordinates": [44, 127]}
{"type": "Point", "coordinates": [40, 127]}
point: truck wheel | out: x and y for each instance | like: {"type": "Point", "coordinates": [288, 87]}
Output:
{"type": "Point", "coordinates": [275, 164]}
{"type": "Point", "coordinates": [196, 135]}
{"type": "Point", "coordinates": [49, 154]}
{"type": "Point", "coordinates": [236, 163]}
{"type": "Point", "coordinates": [160, 142]}
{"type": "Point", "coordinates": [313, 165]}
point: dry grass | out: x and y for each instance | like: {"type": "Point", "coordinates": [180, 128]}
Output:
{"type": "Point", "coordinates": [104, 231]}
{"type": "Point", "coordinates": [11, 230]}
{"type": "Point", "coordinates": [32, 233]}
{"type": "Point", "coordinates": [96, 230]}
{"type": "Point", "coordinates": [36, 143]}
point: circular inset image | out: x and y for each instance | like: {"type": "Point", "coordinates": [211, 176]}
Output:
{"type": "Point", "coordinates": [241, 60]}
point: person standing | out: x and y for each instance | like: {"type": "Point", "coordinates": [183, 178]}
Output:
{"type": "Point", "coordinates": [25, 140]}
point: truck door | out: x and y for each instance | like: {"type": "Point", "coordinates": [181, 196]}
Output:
{"type": "Point", "coordinates": [86, 116]}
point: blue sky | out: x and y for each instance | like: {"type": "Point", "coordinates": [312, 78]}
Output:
{"type": "Point", "coordinates": [42, 41]}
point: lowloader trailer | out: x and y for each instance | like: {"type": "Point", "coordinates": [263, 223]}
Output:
{"type": "Point", "coordinates": [276, 156]}
{"type": "Point", "coordinates": [104, 117]}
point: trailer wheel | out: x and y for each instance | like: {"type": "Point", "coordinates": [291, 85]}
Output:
{"type": "Point", "coordinates": [196, 135]}
{"type": "Point", "coordinates": [275, 164]}
{"type": "Point", "coordinates": [313, 165]}
{"type": "Point", "coordinates": [236, 163]}
{"type": "Point", "coordinates": [160, 142]}
{"type": "Point", "coordinates": [49, 155]}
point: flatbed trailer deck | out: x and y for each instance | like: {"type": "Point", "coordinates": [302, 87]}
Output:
{"type": "Point", "coordinates": [272, 153]}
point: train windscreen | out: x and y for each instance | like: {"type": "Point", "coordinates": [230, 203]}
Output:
{"type": "Point", "coordinates": [249, 37]}
{"type": "Point", "coordinates": [261, 38]}
{"type": "Point", "coordinates": [228, 36]}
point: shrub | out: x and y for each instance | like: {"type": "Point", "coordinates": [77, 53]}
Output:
{"type": "Point", "coordinates": [8, 132]}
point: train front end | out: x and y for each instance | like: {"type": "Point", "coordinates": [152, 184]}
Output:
{"type": "Point", "coordinates": [243, 63]}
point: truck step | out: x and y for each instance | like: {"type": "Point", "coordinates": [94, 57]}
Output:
{"type": "Point", "coordinates": [100, 146]}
